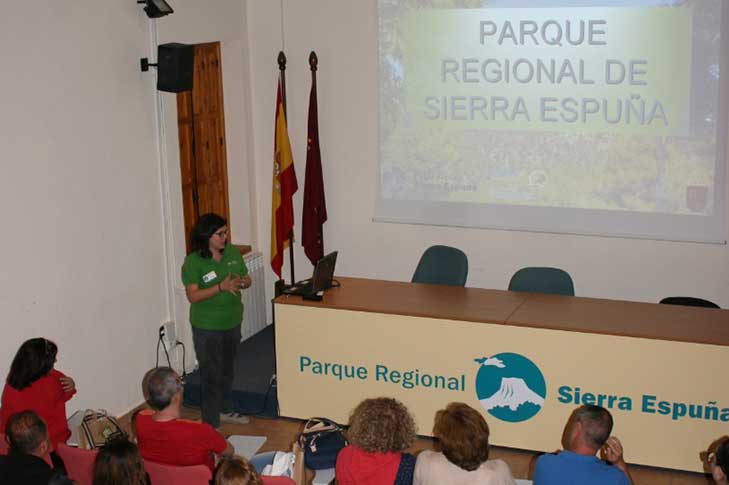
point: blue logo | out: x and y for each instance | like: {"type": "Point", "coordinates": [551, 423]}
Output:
{"type": "Point", "coordinates": [510, 387]}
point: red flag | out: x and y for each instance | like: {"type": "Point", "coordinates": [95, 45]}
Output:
{"type": "Point", "coordinates": [284, 187]}
{"type": "Point", "coordinates": [315, 207]}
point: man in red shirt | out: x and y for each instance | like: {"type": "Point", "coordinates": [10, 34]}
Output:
{"type": "Point", "coordinates": [164, 437]}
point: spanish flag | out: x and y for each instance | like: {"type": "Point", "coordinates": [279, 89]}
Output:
{"type": "Point", "coordinates": [284, 187]}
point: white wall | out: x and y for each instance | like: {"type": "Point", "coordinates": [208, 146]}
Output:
{"type": "Point", "coordinates": [343, 33]}
{"type": "Point", "coordinates": [195, 22]}
{"type": "Point", "coordinates": [83, 260]}
{"type": "Point", "coordinates": [93, 208]}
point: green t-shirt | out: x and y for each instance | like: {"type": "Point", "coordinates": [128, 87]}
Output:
{"type": "Point", "coordinates": [224, 310]}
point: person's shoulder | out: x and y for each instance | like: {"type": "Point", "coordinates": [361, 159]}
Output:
{"type": "Point", "coordinates": [549, 458]}
{"type": "Point", "coordinates": [143, 418]}
{"type": "Point", "coordinates": [498, 465]}
{"type": "Point", "coordinates": [192, 258]}
{"type": "Point", "coordinates": [232, 252]}
{"type": "Point", "coordinates": [614, 474]}
{"type": "Point", "coordinates": [427, 461]}
{"type": "Point", "coordinates": [55, 374]}
{"type": "Point", "coordinates": [197, 426]}
{"type": "Point", "coordinates": [428, 455]}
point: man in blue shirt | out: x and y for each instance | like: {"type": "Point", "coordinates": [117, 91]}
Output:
{"type": "Point", "coordinates": [588, 430]}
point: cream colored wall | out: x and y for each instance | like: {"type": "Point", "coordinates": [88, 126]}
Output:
{"type": "Point", "coordinates": [81, 245]}
{"type": "Point", "coordinates": [344, 35]}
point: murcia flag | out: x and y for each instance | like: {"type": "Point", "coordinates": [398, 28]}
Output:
{"type": "Point", "coordinates": [315, 207]}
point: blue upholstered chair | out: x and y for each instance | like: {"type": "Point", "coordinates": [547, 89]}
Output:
{"type": "Point", "coordinates": [442, 265]}
{"type": "Point", "coordinates": [689, 301]}
{"type": "Point", "coordinates": [542, 280]}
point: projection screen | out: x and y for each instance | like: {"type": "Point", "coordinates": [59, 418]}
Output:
{"type": "Point", "coordinates": [584, 117]}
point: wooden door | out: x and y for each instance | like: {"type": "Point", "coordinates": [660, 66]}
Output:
{"type": "Point", "coordinates": [201, 126]}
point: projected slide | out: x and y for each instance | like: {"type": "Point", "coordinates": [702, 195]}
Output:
{"type": "Point", "coordinates": [594, 117]}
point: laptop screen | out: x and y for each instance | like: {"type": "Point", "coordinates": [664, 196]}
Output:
{"type": "Point", "coordinates": [324, 272]}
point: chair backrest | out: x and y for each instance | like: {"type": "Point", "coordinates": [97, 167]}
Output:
{"type": "Point", "coordinates": [688, 301]}
{"type": "Point", "coordinates": [542, 280]}
{"type": "Point", "coordinates": [3, 445]}
{"type": "Point", "coordinates": [277, 480]}
{"type": "Point", "coordinates": [79, 463]}
{"type": "Point", "coordinates": [442, 265]}
{"type": "Point", "coordinates": [162, 474]}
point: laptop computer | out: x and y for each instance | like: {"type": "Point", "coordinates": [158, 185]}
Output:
{"type": "Point", "coordinates": [320, 280]}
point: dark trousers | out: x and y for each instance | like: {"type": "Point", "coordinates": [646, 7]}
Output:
{"type": "Point", "coordinates": [216, 357]}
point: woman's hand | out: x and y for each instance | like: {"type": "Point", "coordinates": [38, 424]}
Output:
{"type": "Point", "coordinates": [246, 282]}
{"type": "Point", "coordinates": [231, 284]}
{"type": "Point", "coordinates": [67, 384]}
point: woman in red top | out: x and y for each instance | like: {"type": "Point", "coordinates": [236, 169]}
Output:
{"type": "Point", "coordinates": [34, 384]}
{"type": "Point", "coordinates": [380, 430]}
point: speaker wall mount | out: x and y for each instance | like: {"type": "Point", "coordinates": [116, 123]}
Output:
{"type": "Point", "coordinates": [175, 65]}
{"type": "Point", "coordinates": [144, 64]}
{"type": "Point", "coordinates": [156, 8]}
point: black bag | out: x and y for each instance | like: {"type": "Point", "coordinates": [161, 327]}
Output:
{"type": "Point", "coordinates": [321, 441]}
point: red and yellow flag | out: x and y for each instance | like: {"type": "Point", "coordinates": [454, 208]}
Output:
{"type": "Point", "coordinates": [284, 187]}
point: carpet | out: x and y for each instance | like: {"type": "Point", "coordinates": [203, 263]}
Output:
{"type": "Point", "coordinates": [252, 393]}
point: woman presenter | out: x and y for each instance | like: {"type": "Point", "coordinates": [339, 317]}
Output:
{"type": "Point", "coordinates": [214, 274]}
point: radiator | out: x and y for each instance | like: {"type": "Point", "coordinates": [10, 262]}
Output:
{"type": "Point", "coordinates": [254, 298]}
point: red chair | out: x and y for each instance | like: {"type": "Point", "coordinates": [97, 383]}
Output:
{"type": "Point", "coordinates": [3, 445]}
{"type": "Point", "coordinates": [79, 463]}
{"type": "Point", "coordinates": [277, 480]}
{"type": "Point", "coordinates": [161, 474]}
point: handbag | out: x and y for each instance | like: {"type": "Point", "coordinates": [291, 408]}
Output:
{"type": "Point", "coordinates": [321, 441]}
{"type": "Point", "coordinates": [97, 428]}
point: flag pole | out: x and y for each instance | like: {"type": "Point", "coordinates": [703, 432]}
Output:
{"type": "Point", "coordinates": [282, 70]}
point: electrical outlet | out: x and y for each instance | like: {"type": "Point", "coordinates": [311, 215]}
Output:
{"type": "Point", "coordinates": [167, 332]}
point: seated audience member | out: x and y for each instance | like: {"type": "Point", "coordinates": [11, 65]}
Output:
{"type": "Point", "coordinates": [27, 460]}
{"type": "Point", "coordinates": [237, 471]}
{"type": "Point", "coordinates": [379, 431]}
{"type": "Point", "coordinates": [119, 462]}
{"type": "Point", "coordinates": [164, 437]}
{"type": "Point", "coordinates": [33, 384]}
{"type": "Point", "coordinates": [463, 441]}
{"type": "Point", "coordinates": [719, 462]}
{"type": "Point", "coordinates": [588, 431]}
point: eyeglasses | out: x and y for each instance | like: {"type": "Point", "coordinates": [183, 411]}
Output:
{"type": "Point", "coordinates": [222, 233]}
{"type": "Point", "coordinates": [708, 457]}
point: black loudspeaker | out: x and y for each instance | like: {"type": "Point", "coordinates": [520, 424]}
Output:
{"type": "Point", "coordinates": [175, 64]}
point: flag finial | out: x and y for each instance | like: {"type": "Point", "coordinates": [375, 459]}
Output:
{"type": "Point", "coordinates": [313, 61]}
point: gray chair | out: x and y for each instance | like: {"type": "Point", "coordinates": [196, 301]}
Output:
{"type": "Point", "coordinates": [542, 280]}
{"type": "Point", "coordinates": [442, 265]}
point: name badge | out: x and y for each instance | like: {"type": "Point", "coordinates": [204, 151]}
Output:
{"type": "Point", "coordinates": [209, 277]}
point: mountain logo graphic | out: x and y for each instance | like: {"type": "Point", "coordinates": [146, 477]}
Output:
{"type": "Point", "coordinates": [510, 387]}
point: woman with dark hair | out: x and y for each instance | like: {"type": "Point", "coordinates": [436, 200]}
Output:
{"type": "Point", "coordinates": [463, 441]}
{"type": "Point", "coordinates": [379, 431]}
{"type": "Point", "coordinates": [119, 462]}
{"type": "Point", "coordinates": [33, 384]}
{"type": "Point", "coordinates": [214, 274]}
